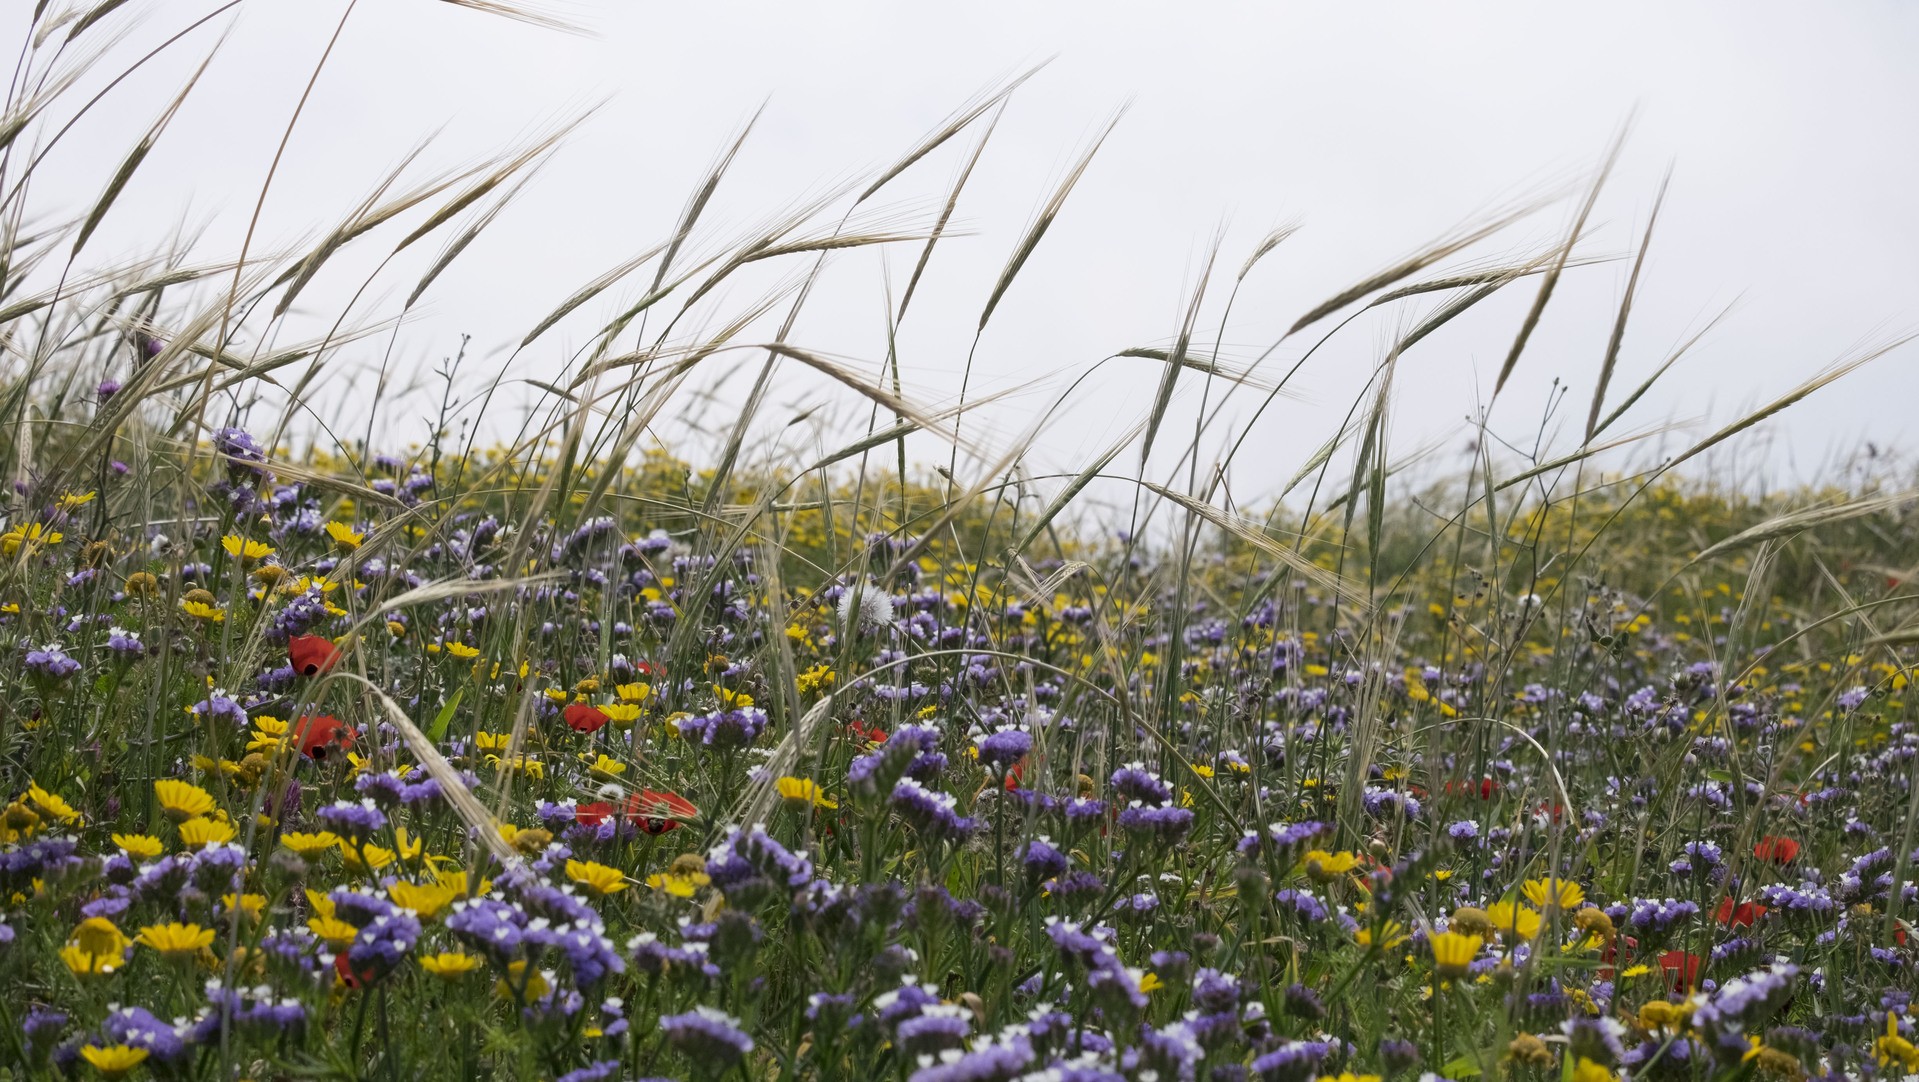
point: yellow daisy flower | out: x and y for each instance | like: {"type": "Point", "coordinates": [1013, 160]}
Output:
{"type": "Point", "coordinates": [176, 940]}
{"type": "Point", "coordinates": [181, 800]}
{"type": "Point", "coordinates": [597, 878]}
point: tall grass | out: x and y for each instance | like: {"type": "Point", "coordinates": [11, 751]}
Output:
{"type": "Point", "coordinates": [1382, 645]}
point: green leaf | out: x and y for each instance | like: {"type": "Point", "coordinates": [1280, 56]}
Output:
{"type": "Point", "coordinates": [437, 731]}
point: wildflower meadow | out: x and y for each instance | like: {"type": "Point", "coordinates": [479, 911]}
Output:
{"type": "Point", "coordinates": [545, 747]}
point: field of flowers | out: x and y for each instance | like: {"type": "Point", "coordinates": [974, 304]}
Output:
{"type": "Point", "coordinates": [284, 807]}
{"type": "Point", "coordinates": [561, 754]}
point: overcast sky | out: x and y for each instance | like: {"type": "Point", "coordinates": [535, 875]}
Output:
{"type": "Point", "coordinates": [1376, 126]}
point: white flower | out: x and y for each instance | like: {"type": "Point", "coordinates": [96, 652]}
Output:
{"type": "Point", "coordinates": [874, 607]}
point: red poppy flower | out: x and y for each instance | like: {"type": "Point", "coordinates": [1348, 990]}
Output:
{"type": "Point", "coordinates": [1485, 788]}
{"type": "Point", "coordinates": [593, 814]}
{"type": "Point", "coordinates": [312, 655]}
{"type": "Point", "coordinates": [354, 981]}
{"type": "Point", "coordinates": [1014, 775]}
{"type": "Point", "coordinates": [1744, 915]}
{"type": "Point", "coordinates": [1611, 955]}
{"type": "Point", "coordinates": [874, 735]}
{"type": "Point", "coordinates": [657, 812]}
{"type": "Point", "coordinates": [1682, 970]}
{"type": "Point", "coordinates": [1777, 849]}
{"type": "Point", "coordinates": [584, 718]}
{"type": "Point", "coordinates": [317, 734]}
{"type": "Point", "coordinates": [645, 668]}
{"type": "Point", "coordinates": [1557, 811]}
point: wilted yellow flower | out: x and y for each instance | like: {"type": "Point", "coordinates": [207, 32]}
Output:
{"type": "Point", "coordinates": [73, 501]}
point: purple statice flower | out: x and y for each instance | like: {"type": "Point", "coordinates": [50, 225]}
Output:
{"type": "Point", "coordinates": [1655, 915]}
{"type": "Point", "coordinates": [938, 1027]}
{"type": "Point", "coordinates": [124, 643]}
{"type": "Point", "coordinates": [1042, 860]}
{"type": "Point", "coordinates": [1598, 1039]}
{"type": "Point", "coordinates": [1803, 899]}
{"type": "Point", "coordinates": [725, 730]}
{"type": "Point", "coordinates": [41, 1029]}
{"type": "Point", "coordinates": [383, 943]}
{"type": "Point", "coordinates": [1745, 1001]}
{"type": "Point", "coordinates": [239, 447]}
{"type": "Point", "coordinates": [219, 706]}
{"type": "Point", "coordinates": [653, 957]}
{"type": "Point", "coordinates": [707, 1036]}
{"type": "Point", "coordinates": [1852, 697]}
{"type": "Point", "coordinates": [597, 1071]}
{"type": "Point", "coordinates": [136, 1027]}
{"type": "Point", "coordinates": [358, 908]}
{"type": "Point", "coordinates": [745, 858]}
{"type": "Point", "coordinates": [1076, 885]}
{"type": "Point", "coordinates": [1293, 1061]}
{"type": "Point", "coordinates": [491, 926]}
{"type": "Point", "coordinates": [51, 663]}
{"type": "Point", "coordinates": [354, 822]}
{"type": "Point", "coordinates": [1083, 812]}
{"type": "Point", "coordinates": [1214, 991]}
{"type": "Point", "coordinates": [382, 788]}
{"type": "Point", "coordinates": [1389, 803]}
{"type": "Point", "coordinates": [248, 1011]}
{"type": "Point", "coordinates": [1166, 825]}
{"type": "Point", "coordinates": [1464, 830]}
{"type": "Point", "coordinates": [1698, 856]}
{"type": "Point", "coordinates": [1135, 783]}
{"type": "Point", "coordinates": [1281, 842]}
{"type": "Point", "coordinates": [1303, 904]}
{"type": "Point", "coordinates": [931, 812]}
{"type": "Point", "coordinates": [876, 771]}
{"type": "Point", "coordinates": [991, 1060]}
{"type": "Point", "coordinates": [1003, 747]}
